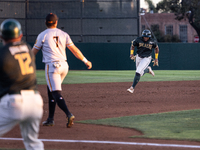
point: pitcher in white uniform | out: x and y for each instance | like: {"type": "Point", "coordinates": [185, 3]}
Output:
{"type": "Point", "coordinates": [53, 43]}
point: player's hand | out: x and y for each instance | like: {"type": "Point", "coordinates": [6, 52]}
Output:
{"type": "Point", "coordinates": [132, 57]}
{"type": "Point", "coordinates": [155, 62]}
{"type": "Point", "coordinates": [88, 64]}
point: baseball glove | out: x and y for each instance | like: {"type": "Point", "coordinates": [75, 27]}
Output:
{"type": "Point", "coordinates": [133, 57]}
{"type": "Point", "coordinates": [155, 63]}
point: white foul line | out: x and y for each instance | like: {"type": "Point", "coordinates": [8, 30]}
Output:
{"type": "Point", "coordinates": [110, 142]}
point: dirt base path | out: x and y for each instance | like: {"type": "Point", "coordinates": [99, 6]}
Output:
{"type": "Point", "coordinates": [107, 100]}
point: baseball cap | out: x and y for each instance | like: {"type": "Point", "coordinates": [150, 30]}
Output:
{"type": "Point", "coordinates": [51, 18]}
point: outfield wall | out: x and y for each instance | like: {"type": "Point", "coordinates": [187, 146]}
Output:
{"type": "Point", "coordinates": [111, 56]}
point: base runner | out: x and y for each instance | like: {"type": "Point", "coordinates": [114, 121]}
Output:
{"type": "Point", "coordinates": [145, 45]}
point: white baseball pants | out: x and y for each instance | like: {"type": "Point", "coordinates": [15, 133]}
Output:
{"type": "Point", "coordinates": [55, 73]}
{"type": "Point", "coordinates": [142, 64]}
{"type": "Point", "coordinates": [25, 109]}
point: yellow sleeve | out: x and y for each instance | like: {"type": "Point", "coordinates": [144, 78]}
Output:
{"type": "Point", "coordinates": [132, 51]}
{"type": "Point", "coordinates": [156, 55]}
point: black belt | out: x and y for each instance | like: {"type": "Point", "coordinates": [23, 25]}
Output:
{"type": "Point", "coordinates": [60, 61]}
{"type": "Point", "coordinates": [19, 92]}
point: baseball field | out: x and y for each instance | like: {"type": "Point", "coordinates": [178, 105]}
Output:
{"type": "Point", "coordinates": [161, 114]}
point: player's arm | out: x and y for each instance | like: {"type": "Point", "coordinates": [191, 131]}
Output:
{"type": "Point", "coordinates": [132, 48]}
{"type": "Point", "coordinates": [35, 51]}
{"type": "Point", "coordinates": [37, 46]}
{"type": "Point", "coordinates": [78, 54]}
{"type": "Point", "coordinates": [156, 56]}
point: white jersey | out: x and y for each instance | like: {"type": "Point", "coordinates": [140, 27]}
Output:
{"type": "Point", "coordinates": [53, 42]}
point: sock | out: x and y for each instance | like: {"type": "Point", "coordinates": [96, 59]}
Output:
{"type": "Point", "coordinates": [52, 104]}
{"type": "Point", "coordinates": [61, 102]}
{"type": "Point", "coordinates": [136, 79]}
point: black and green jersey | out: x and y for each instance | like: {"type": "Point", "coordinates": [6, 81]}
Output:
{"type": "Point", "coordinates": [17, 68]}
{"type": "Point", "coordinates": [144, 49]}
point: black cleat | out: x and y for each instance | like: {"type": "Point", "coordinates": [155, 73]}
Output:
{"type": "Point", "coordinates": [48, 122]}
{"type": "Point", "coordinates": [70, 121]}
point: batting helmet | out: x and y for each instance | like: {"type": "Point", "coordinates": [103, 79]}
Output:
{"type": "Point", "coordinates": [146, 33]}
{"type": "Point", "coordinates": [10, 29]}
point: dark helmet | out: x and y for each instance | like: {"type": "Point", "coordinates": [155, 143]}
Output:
{"type": "Point", "coordinates": [10, 29]}
{"type": "Point", "coordinates": [146, 33]}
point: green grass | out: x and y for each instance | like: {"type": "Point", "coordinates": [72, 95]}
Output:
{"type": "Point", "coordinates": [91, 76]}
{"type": "Point", "coordinates": [183, 125]}
{"type": "Point", "coordinates": [180, 125]}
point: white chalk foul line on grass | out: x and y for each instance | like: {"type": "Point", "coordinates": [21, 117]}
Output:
{"type": "Point", "coordinates": [110, 142]}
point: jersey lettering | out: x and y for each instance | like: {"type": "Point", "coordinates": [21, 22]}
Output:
{"type": "Point", "coordinates": [56, 40]}
{"type": "Point", "coordinates": [149, 46]}
{"type": "Point", "coordinates": [24, 60]}
{"type": "Point", "coordinates": [18, 49]}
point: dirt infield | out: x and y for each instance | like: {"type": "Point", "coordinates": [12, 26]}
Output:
{"type": "Point", "coordinates": [107, 100]}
